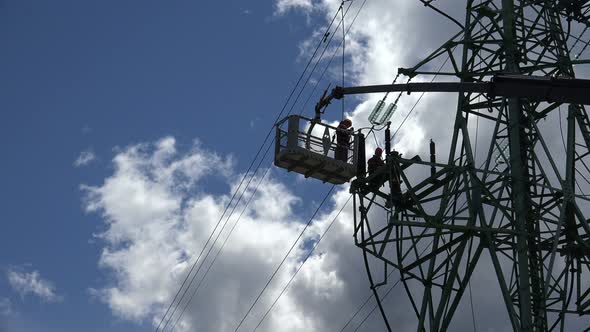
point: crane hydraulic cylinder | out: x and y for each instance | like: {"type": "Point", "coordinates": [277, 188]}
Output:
{"type": "Point", "coordinates": [388, 139]}
{"type": "Point", "coordinates": [432, 157]}
{"type": "Point", "coordinates": [361, 163]}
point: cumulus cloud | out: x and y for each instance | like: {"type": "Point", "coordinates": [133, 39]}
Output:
{"type": "Point", "coordinates": [283, 6]}
{"type": "Point", "coordinates": [85, 158]}
{"type": "Point", "coordinates": [32, 283]}
{"type": "Point", "coordinates": [158, 216]}
{"type": "Point", "coordinates": [5, 307]}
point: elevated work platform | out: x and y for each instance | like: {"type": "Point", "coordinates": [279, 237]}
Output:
{"type": "Point", "coordinates": [310, 148]}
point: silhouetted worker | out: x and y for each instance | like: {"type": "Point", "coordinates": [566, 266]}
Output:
{"type": "Point", "coordinates": [572, 7]}
{"type": "Point", "coordinates": [343, 134]}
{"type": "Point", "coordinates": [375, 162]}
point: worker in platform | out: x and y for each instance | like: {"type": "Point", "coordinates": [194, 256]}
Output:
{"type": "Point", "coordinates": [375, 162]}
{"type": "Point", "coordinates": [343, 134]}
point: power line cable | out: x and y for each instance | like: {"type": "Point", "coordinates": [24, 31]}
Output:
{"type": "Point", "coordinates": [221, 248]}
{"type": "Point", "coordinates": [211, 246]}
{"type": "Point", "coordinates": [247, 185]}
{"type": "Point", "coordinates": [285, 257]}
{"type": "Point", "coordinates": [199, 257]}
{"type": "Point", "coordinates": [344, 13]}
{"type": "Point", "coordinates": [302, 263]}
{"type": "Point", "coordinates": [194, 292]}
{"type": "Point", "coordinates": [319, 60]}
{"type": "Point", "coordinates": [332, 57]}
{"type": "Point", "coordinates": [245, 175]}
{"type": "Point", "coordinates": [358, 310]}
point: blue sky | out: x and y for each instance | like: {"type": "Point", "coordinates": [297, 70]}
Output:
{"type": "Point", "coordinates": [93, 75]}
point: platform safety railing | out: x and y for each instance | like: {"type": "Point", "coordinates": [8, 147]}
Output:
{"type": "Point", "coordinates": [299, 131]}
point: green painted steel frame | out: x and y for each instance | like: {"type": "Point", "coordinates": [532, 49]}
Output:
{"type": "Point", "coordinates": [529, 217]}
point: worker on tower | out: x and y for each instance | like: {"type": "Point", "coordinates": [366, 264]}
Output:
{"type": "Point", "coordinates": [572, 7]}
{"type": "Point", "coordinates": [343, 133]}
{"type": "Point", "coordinates": [375, 162]}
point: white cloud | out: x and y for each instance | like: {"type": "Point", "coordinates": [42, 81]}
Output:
{"type": "Point", "coordinates": [26, 283]}
{"type": "Point", "coordinates": [5, 307]}
{"type": "Point", "coordinates": [159, 214]}
{"type": "Point", "coordinates": [282, 6]}
{"type": "Point", "coordinates": [85, 158]}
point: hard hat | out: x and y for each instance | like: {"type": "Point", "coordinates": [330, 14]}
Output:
{"type": "Point", "coordinates": [346, 122]}
{"type": "Point", "coordinates": [378, 151]}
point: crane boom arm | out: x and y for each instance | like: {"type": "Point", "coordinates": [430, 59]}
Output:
{"type": "Point", "coordinates": [534, 88]}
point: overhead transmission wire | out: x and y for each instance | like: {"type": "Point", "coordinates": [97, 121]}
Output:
{"type": "Point", "coordinates": [247, 203]}
{"type": "Point", "coordinates": [199, 256]}
{"type": "Point", "coordinates": [302, 263]}
{"type": "Point", "coordinates": [217, 225]}
{"type": "Point", "coordinates": [244, 177]}
{"type": "Point", "coordinates": [285, 258]}
{"type": "Point", "coordinates": [249, 181]}
{"type": "Point", "coordinates": [223, 227]}
{"type": "Point", "coordinates": [332, 57]}
{"type": "Point", "coordinates": [285, 288]}
{"type": "Point", "coordinates": [321, 56]}
{"type": "Point", "coordinates": [223, 244]}
{"type": "Point", "coordinates": [246, 206]}
{"type": "Point", "coordinates": [339, 212]}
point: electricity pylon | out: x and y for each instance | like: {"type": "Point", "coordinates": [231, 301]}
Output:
{"type": "Point", "coordinates": [520, 204]}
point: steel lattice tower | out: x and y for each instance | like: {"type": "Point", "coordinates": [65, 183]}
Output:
{"type": "Point", "coordinates": [517, 204]}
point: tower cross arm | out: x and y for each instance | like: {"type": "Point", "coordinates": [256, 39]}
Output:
{"type": "Point", "coordinates": [533, 88]}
